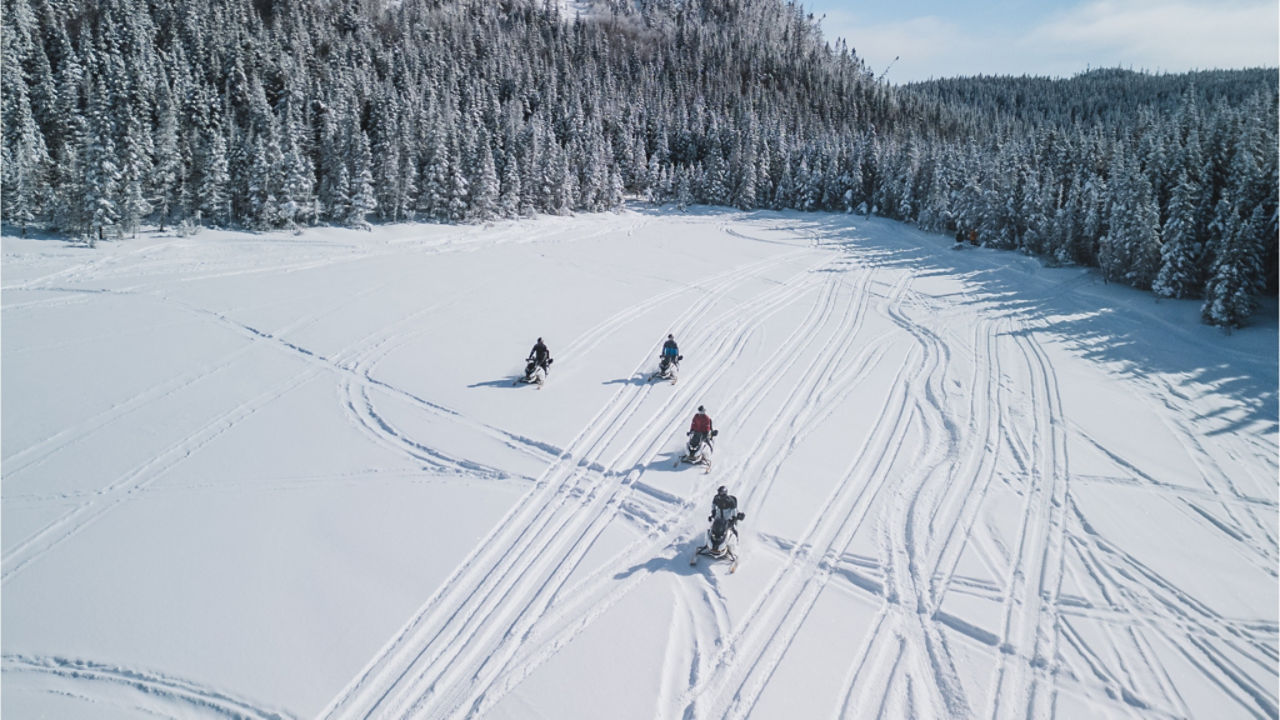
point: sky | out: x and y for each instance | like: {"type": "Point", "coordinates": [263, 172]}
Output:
{"type": "Point", "coordinates": [1057, 38]}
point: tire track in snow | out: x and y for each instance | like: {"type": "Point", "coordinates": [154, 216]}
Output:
{"type": "Point", "coordinates": [755, 650]}
{"type": "Point", "coordinates": [978, 457]}
{"type": "Point", "coordinates": [905, 523]}
{"type": "Point", "coordinates": [648, 548]}
{"type": "Point", "coordinates": [142, 475]}
{"type": "Point", "coordinates": [139, 477]}
{"type": "Point", "coordinates": [1254, 540]}
{"type": "Point", "coordinates": [869, 670]}
{"type": "Point", "coordinates": [1051, 428]}
{"type": "Point", "coordinates": [351, 364]}
{"type": "Point", "coordinates": [595, 594]}
{"type": "Point", "coordinates": [1029, 635]}
{"type": "Point", "coordinates": [1140, 597]}
{"type": "Point", "coordinates": [795, 587]}
{"type": "Point", "coordinates": [737, 324]}
{"type": "Point", "coordinates": [87, 268]}
{"type": "Point", "coordinates": [814, 572]}
{"type": "Point", "coordinates": [37, 453]}
{"type": "Point", "coordinates": [153, 692]}
{"type": "Point", "coordinates": [530, 551]}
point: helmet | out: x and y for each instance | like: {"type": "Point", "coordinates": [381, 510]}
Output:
{"type": "Point", "coordinates": [670, 336]}
{"type": "Point", "coordinates": [539, 339]}
{"type": "Point", "coordinates": [722, 490]}
{"type": "Point", "coordinates": [701, 409]}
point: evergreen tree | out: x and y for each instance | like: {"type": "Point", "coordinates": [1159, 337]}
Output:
{"type": "Point", "coordinates": [25, 161]}
{"type": "Point", "coordinates": [457, 189]}
{"type": "Point", "coordinates": [509, 197]}
{"type": "Point", "coordinates": [100, 187]}
{"type": "Point", "coordinates": [1236, 276]}
{"type": "Point", "coordinates": [214, 196]}
{"type": "Point", "coordinates": [363, 201]}
{"type": "Point", "coordinates": [484, 182]}
{"type": "Point", "coordinates": [297, 194]}
{"type": "Point", "coordinates": [168, 169]}
{"type": "Point", "coordinates": [1180, 269]}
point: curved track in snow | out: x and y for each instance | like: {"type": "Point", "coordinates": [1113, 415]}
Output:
{"type": "Point", "coordinates": [939, 523]}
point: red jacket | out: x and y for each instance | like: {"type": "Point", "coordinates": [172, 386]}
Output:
{"type": "Point", "coordinates": [701, 423]}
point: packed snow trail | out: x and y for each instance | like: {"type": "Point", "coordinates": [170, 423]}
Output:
{"type": "Point", "coordinates": [974, 486]}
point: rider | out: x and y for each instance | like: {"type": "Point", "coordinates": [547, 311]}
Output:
{"type": "Point", "coordinates": [541, 355]}
{"type": "Point", "coordinates": [671, 351]}
{"type": "Point", "coordinates": [724, 506]}
{"type": "Point", "coordinates": [701, 426]}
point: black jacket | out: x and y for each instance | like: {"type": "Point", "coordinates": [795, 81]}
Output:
{"type": "Point", "coordinates": [539, 352]}
{"type": "Point", "coordinates": [724, 505]}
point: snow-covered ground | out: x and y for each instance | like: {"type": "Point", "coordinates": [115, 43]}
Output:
{"type": "Point", "coordinates": [289, 476]}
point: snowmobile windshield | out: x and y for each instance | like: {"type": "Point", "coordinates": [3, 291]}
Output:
{"type": "Point", "coordinates": [718, 529]}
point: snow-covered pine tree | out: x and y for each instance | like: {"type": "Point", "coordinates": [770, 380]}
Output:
{"type": "Point", "coordinates": [1145, 241]}
{"type": "Point", "coordinates": [742, 168]}
{"type": "Point", "coordinates": [297, 193]}
{"type": "Point", "coordinates": [483, 180]}
{"type": "Point", "coordinates": [168, 169]}
{"type": "Point", "coordinates": [784, 193]}
{"type": "Point", "coordinates": [265, 159]}
{"type": "Point", "coordinates": [457, 189]}
{"type": "Point", "coordinates": [363, 201]}
{"type": "Point", "coordinates": [683, 190]}
{"type": "Point", "coordinates": [25, 161]}
{"type": "Point", "coordinates": [509, 197]}
{"type": "Point", "coordinates": [1230, 296]}
{"type": "Point", "coordinates": [386, 153]}
{"type": "Point", "coordinates": [100, 187]}
{"type": "Point", "coordinates": [1180, 273]}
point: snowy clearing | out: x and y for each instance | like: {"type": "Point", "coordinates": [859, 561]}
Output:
{"type": "Point", "coordinates": [290, 476]}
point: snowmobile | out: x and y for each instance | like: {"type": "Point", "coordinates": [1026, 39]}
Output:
{"type": "Point", "coordinates": [698, 451]}
{"type": "Point", "coordinates": [534, 374]}
{"type": "Point", "coordinates": [667, 369]}
{"type": "Point", "coordinates": [722, 539]}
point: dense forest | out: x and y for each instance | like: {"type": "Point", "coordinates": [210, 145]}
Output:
{"type": "Point", "coordinates": [264, 114]}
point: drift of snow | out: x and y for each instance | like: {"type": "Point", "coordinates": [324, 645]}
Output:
{"type": "Point", "coordinates": [290, 476]}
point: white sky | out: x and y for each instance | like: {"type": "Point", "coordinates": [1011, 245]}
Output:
{"type": "Point", "coordinates": [933, 38]}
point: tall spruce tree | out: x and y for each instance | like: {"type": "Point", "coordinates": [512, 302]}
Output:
{"type": "Point", "coordinates": [1236, 277]}
{"type": "Point", "coordinates": [1180, 273]}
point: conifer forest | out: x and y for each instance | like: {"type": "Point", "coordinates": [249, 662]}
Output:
{"type": "Point", "coordinates": [262, 114]}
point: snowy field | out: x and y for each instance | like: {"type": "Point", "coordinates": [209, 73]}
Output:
{"type": "Point", "coordinates": [289, 476]}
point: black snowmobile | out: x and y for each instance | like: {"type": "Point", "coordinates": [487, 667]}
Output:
{"type": "Point", "coordinates": [698, 451]}
{"type": "Point", "coordinates": [534, 373]}
{"type": "Point", "coordinates": [668, 368]}
{"type": "Point", "coordinates": [722, 539]}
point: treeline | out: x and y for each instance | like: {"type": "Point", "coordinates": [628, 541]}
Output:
{"type": "Point", "coordinates": [277, 113]}
{"type": "Point", "coordinates": [1164, 182]}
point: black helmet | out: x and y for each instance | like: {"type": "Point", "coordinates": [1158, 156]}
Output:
{"type": "Point", "coordinates": [670, 336]}
{"type": "Point", "coordinates": [701, 409]}
{"type": "Point", "coordinates": [539, 339]}
{"type": "Point", "coordinates": [722, 490]}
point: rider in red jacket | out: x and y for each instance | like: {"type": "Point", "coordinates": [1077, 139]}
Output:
{"type": "Point", "coordinates": [701, 425]}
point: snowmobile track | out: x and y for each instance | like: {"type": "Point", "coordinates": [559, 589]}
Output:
{"type": "Point", "coordinates": [512, 577]}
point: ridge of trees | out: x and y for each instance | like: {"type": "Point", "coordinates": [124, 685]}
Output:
{"type": "Point", "coordinates": [280, 113]}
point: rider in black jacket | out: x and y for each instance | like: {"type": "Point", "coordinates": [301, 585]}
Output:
{"type": "Point", "coordinates": [541, 354]}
